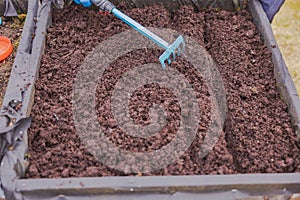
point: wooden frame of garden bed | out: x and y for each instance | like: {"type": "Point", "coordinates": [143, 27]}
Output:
{"type": "Point", "coordinates": [28, 59]}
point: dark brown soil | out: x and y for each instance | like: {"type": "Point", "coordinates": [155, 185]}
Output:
{"type": "Point", "coordinates": [258, 135]}
{"type": "Point", "coordinates": [12, 29]}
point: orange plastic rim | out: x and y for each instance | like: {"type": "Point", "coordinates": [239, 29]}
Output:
{"type": "Point", "coordinates": [5, 48]}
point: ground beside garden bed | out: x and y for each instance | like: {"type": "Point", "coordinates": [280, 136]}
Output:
{"type": "Point", "coordinates": [12, 29]}
{"type": "Point", "coordinates": [258, 135]}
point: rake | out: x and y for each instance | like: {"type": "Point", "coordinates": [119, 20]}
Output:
{"type": "Point", "coordinates": [171, 50]}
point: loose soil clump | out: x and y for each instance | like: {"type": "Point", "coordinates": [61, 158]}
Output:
{"type": "Point", "coordinates": [258, 136]}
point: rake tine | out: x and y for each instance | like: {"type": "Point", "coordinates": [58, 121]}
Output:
{"type": "Point", "coordinates": [174, 55]}
{"type": "Point", "coordinates": [178, 51]}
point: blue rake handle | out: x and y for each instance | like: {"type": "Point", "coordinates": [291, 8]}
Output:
{"type": "Point", "coordinates": [172, 50]}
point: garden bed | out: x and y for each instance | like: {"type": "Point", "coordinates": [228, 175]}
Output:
{"type": "Point", "coordinates": [258, 136]}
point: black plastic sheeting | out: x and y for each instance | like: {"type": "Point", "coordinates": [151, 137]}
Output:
{"type": "Point", "coordinates": [14, 122]}
{"type": "Point", "coordinates": [18, 100]}
{"type": "Point", "coordinates": [10, 8]}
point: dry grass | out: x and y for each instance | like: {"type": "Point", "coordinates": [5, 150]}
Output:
{"type": "Point", "coordinates": [286, 28]}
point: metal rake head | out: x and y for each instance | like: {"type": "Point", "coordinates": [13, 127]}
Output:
{"type": "Point", "coordinates": [172, 52]}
